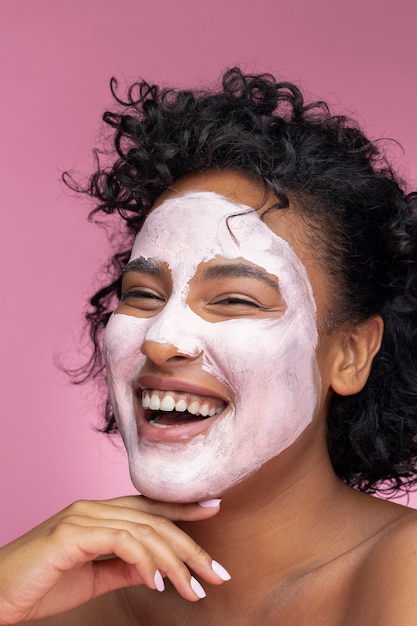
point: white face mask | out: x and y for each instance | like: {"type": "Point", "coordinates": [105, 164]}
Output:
{"type": "Point", "coordinates": [258, 370]}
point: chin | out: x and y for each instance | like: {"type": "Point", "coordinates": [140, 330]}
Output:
{"type": "Point", "coordinates": [182, 494]}
{"type": "Point", "coordinates": [171, 489]}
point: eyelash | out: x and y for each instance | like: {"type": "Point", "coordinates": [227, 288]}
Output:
{"type": "Point", "coordinates": [225, 301]}
{"type": "Point", "coordinates": [139, 294]}
{"type": "Point", "coordinates": [240, 301]}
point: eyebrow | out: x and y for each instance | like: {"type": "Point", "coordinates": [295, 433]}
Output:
{"type": "Point", "coordinates": [237, 270]}
{"type": "Point", "coordinates": [144, 266]}
{"type": "Point", "coordinates": [222, 270]}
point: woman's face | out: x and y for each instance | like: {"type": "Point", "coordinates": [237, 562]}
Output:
{"type": "Point", "coordinates": [211, 353]}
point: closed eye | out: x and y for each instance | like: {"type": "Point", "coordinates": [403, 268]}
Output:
{"type": "Point", "coordinates": [142, 300]}
{"type": "Point", "coordinates": [146, 285]}
{"type": "Point", "coordinates": [231, 305]}
{"type": "Point", "coordinates": [226, 289]}
{"type": "Point", "coordinates": [137, 293]}
{"type": "Point", "coordinates": [236, 300]}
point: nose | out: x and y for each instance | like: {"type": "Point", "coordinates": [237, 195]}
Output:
{"type": "Point", "coordinates": [163, 354]}
{"type": "Point", "coordinates": [173, 337]}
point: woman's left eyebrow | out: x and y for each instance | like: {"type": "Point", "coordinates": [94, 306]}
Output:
{"type": "Point", "coordinates": [237, 270]}
{"type": "Point", "coordinates": [145, 266]}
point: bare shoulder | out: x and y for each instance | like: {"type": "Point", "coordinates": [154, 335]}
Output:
{"type": "Point", "coordinates": [384, 592]}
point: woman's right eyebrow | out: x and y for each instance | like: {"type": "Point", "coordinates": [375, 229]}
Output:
{"type": "Point", "coordinates": [145, 266]}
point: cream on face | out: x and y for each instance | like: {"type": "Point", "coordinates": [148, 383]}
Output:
{"type": "Point", "coordinates": [257, 370]}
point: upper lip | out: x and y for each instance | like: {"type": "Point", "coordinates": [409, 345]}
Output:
{"type": "Point", "coordinates": [151, 381]}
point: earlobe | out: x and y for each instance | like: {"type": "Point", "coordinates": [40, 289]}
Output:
{"type": "Point", "coordinates": [357, 349]}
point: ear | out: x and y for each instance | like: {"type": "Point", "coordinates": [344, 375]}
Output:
{"type": "Point", "coordinates": [357, 348]}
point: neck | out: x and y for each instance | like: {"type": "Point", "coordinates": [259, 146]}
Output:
{"type": "Point", "coordinates": [278, 520]}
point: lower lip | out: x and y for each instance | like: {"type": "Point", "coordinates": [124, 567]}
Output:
{"type": "Point", "coordinates": [175, 434]}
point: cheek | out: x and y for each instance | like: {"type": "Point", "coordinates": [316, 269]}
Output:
{"type": "Point", "coordinates": [260, 352]}
{"type": "Point", "coordinates": [123, 338]}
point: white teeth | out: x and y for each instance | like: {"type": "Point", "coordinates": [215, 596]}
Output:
{"type": "Point", "coordinates": [155, 403]}
{"type": "Point", "coordinates": [167, 404]}
{"type": "Point", "coordinates": [181, 405]}
{"type": "Point", "coordinates": [204, 410]}
{"type": "Point", "coordinates": [194, 407]}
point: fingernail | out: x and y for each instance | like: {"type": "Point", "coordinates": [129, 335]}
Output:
{"type": "Point", "coordinates": [197, 588]}
{"type": "Point", "coordinates": [209, 503]}
{"type": "Point", "coordinates": [220, 571]}
{"type": "Point", "coordinates": [159, 581]}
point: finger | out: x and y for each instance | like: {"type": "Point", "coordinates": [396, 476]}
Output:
{"type": "Point", "coordinates": [160, 537]}
{"type": "Point", "coordinates": [138, 546]}
{"type": "Point", "coordinates": [166, 557]}
{"type": "Point", "coordinates": [128, 509]}
{"type": "Point", "coordinates": [171, 510]}
{"type": "Point", "coordinates": [188, 551]}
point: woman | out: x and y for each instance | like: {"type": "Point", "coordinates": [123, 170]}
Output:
{"type": "Point", "coordinates": [261, 365]}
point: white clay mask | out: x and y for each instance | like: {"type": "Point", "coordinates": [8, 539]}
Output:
{"type": "Point", "coordinates": [239, 382]}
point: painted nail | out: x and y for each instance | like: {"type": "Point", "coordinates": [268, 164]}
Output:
{"type": "Point", "coordinates": [197, 588]}
{"type": "Point", "coordinates": [159, 581]}
{"type": "Point", "coordinates": [210, 503]}
{"type": "Point", "coordinates": [220, 571]}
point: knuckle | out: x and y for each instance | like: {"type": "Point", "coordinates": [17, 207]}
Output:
{"type": "Point", "coordinates": [70, 520]}
{"type": "Point", "coordinates": [177, 567]}
{"type": "Point", "coordinates": [62, 530]}
{"type": "Point", "coordinates": [122, 535]}
{"type": "Point", "coordinates": [162, 522]}
{"type": "Point", "coordinates": [77, 508]}
{"type": "Point", "coordinates": [144, 530]}
{"type": "Point", "coordinates": [199, 552]}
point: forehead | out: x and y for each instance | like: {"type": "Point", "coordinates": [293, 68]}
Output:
{"type": "Point", "coordinates": [199, 226]}
{"type": "Point", "coordinates": [204, 224]}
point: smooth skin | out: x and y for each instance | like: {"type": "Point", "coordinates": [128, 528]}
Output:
{"type": "Point", "coordinates": [52, 568]}
{"type": "Point", "coordinates": [303, 549]}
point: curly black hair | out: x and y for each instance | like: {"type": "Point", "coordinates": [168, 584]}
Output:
{"type": "Point", "coordinates": [358, 210]}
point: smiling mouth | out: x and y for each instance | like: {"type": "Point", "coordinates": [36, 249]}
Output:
{"type": "Point", "coordinates": [163, 409]}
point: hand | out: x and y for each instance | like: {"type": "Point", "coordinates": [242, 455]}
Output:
{"type": "Point", "coordinates": [52, 569]}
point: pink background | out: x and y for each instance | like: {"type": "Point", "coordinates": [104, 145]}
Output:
{"type": "Point", "coordinates": [57, 57]}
